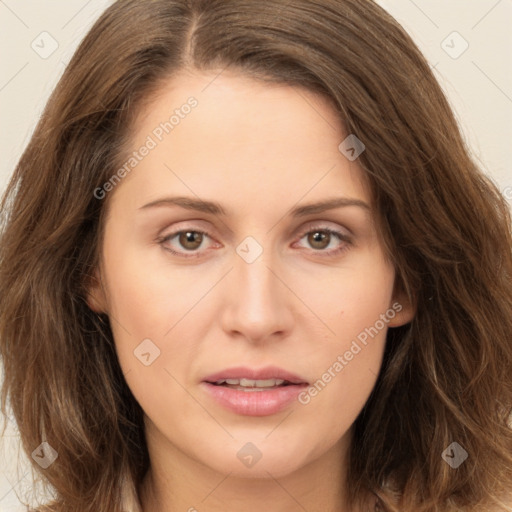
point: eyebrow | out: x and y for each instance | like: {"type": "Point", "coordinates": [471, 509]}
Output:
{"type": "Point", "coordinates": [215, 208]}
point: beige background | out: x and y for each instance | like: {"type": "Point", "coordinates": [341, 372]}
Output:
{"type": "Point", "coordinates": [478, 82]}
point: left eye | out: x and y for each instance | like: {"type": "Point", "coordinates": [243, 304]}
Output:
{"type": "Point", "coordinates": [191, 240]}
{"type": "Point", "coordinates": [320, 238]}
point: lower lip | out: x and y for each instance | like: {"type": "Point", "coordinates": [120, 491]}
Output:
{"type": "Point", "coordinates": [254, 403]}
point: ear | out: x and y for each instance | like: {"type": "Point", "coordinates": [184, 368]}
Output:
{"type": "Point", "coordinates": [95, 293]}
{"type": "Point", "coordinates": [404, 308]}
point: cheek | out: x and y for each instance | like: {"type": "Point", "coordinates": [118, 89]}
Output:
{"type": "Point", "coordinates": [146, 300]}
{"type": "Point", "coordinates": [148, 309]}
{"type": "Point", "coordinates": [348, 356]}
{"type": "Point", "coordinates": [345, 374]}
{"type": "Point", "coordinates": [147, 294]}
{"type": "Point", "coordinates": [348, 299]}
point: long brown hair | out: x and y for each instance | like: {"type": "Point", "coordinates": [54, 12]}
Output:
{"type": "Point", "coordinates": [446, 376]}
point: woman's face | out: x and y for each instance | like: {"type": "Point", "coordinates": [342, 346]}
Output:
{"type": "Point", "coordinates": [266, 295]}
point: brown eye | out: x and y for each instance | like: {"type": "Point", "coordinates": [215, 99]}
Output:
{"type": "Point", "coordinates": [325, 241]}
{"type": "Point", "coordinates": [319, 239]}
{"type": "Point", "coordinates": [190, 240]}
{"type": "Point", "coordinates": [186, 243]}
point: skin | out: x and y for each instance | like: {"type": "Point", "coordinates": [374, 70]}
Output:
{"type": "Point", "coordinates": [259, 150]}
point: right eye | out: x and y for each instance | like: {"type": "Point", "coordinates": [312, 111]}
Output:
{"type": "Point", "coordinates": [189, 239]}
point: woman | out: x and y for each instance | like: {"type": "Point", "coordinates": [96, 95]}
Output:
{"type": "Point", "coordinates": [248, 262]}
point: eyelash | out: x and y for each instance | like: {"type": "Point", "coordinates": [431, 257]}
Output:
{"type": "Point", "coordinates": [333, 252]}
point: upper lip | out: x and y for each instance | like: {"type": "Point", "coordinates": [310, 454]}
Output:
{"type": "Point", "coordinates": [268, 372]}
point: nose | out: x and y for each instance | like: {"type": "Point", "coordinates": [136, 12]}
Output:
{"type": "Point", "coordinates": [258, 303]}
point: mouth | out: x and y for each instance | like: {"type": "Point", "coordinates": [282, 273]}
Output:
{"type": "Point", "coordinates": [252, 385]}
{"type": "Point", "coordinates": [246, 378]}
{"type": "Point", "coordinates": [252, 392]}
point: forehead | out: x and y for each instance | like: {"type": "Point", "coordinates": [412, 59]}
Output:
{"type": "Point", "coordinates": [212, 134]}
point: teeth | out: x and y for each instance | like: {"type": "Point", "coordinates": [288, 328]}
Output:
{"type": "Point", "coordinates": [249, 383]}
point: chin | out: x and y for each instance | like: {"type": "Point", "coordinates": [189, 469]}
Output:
{"type": "Point", "coordinates": [259, 458]}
